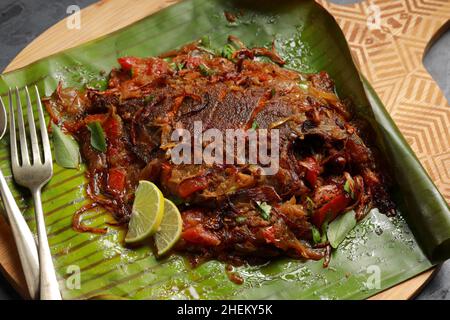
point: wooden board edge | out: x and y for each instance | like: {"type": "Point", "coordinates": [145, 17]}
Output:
{"type": "Point", "coordinates": [10, 265]}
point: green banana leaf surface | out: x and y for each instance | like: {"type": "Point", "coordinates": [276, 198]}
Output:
{"type": "Point", "coordinates": [378, 253]}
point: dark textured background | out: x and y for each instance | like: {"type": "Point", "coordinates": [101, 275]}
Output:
{"type": "Point", "coordinates": [22, 21]}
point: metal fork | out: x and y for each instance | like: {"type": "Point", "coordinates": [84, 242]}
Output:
{"type": "Point", "coordinates": [34, 175]}
{"type": "Point", "coordinates": [25, 243]}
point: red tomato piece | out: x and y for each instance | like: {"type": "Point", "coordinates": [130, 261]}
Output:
{"type": "Point", "coordinates": [189, 186]}
{"type": "Point", "coordinates": [269, 234]}
{"type": "Point", "coordinates": [312, 170]}
{"type": "Point", "coordinates": [116, 180]}
{"type": "Point", "coordinates": [95, 117]}
{"type": "Point", "coordinates": [157, 66]}
{"type": "Point", "coordinates": [127, 63]}
{"type": "Point", "coordinates": [200, 235]}
{"type": "Point", "coordinates": [112, 127]}
{"type": "Point", "coordinates": [332, 208]}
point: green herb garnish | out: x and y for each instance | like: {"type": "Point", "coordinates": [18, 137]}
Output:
{"type": "Point", "coordinates": [241, 219]}
{"type": "Point", "coordinates": [349, 187]}
{"type": "Point", "coordinates": [264, 209]}
{"type": "Point", "coordinates": [177, 66]}
{"type": "Point", "coordinates": [304, 85]}
{"type": "Point", "coordinates": [67, 151]}
{"type": "Point", "coordinates": [98, 139]}
{"type": "Point", "coordinates": [204, 70]}
{"type": "Point", "coordinates": [324, 231]}
{"type": "Point", "coordinates": [228, 51]}
{"type": "Point", "coordinates": [310, 205]}
{"type": "Point", "coordinates": [255, 125]}
{"type": "Point", "coordinates": [317, 238]}
{"type": "Point", "coordinates": [149, 98]}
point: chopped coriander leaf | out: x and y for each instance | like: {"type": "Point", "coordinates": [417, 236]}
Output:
{"type": "Point", "coordinates": [177, 66]}
{"type": "Point", "coordinates": [273, 92]}
{"type": "Point", "coordinates": [228, 51]}
{"type": "Point", "coordinates": [349, 187]}
{"type": "Point", "coordinates": [241, 219]}
{"type": "Point", "coordinates": [255, 125]}
{"type": "Point", "coordinates": [324, 231]}
{"type": "Point", "coordinates": [204, 70]}
{"type": "Point", "coordinates": [303, 85]}
{"type": "Point", "coordinates": [310, 205]}
{"type": "Point", "coordinates": [149, 98]}
{"type": "Point", "coordinates": [317, 238]}
{"type": "Point", "coordinates": [264, 209]}
{"type": "Point", "coordinates": [180, 66]}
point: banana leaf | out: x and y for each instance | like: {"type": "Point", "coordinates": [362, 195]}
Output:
{"type": "Point", "coordinates": [379, 253]}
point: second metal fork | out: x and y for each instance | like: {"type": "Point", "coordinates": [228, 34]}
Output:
{"type": "Point", "coordinates": [34, 174]}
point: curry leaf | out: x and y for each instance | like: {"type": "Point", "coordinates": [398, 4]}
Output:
{"type": "Point", "coordinates": [340, 227]}
{"type": "Point", "coordinates": [67, 151]}
{"type": "Point", "coordinates": [264, 209]}
{"type": "Point", "coordinates": [98, 140]}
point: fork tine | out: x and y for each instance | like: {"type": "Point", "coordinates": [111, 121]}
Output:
{"type": "Point", "coordinates": [33, 136]}
{"type": "Point", "coordinates": [43, 126]}
{"type": "Point", "coordinates": [22, 132]}
{"type": "Point", "coordinates": [4, 116]}
{"type": "Point", "coordinates": [12, 133]}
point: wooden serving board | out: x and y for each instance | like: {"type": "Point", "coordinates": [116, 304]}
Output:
{"type": "Point", "coordinates": [388, 40]}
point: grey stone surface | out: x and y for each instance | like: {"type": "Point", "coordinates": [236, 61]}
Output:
{"type": "Point", "coordinates": [22, 21]}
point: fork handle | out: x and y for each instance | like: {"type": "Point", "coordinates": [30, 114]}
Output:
{"type": "Point", "coordinates": [25, 242]}
{"type": "Point", "coordinates": [49, 282]}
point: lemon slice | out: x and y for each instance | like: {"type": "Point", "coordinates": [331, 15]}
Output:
{"type": "Point", "coordinates": [170, 229]}
{"type": "Point", "coordinates": [147, 213]}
